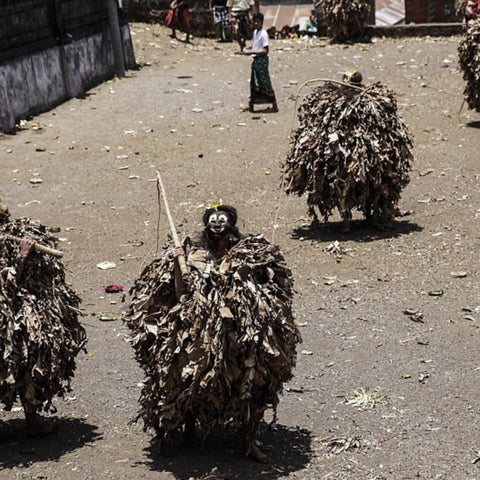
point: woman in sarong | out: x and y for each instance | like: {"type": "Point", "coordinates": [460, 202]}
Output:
{"type": "Point", "coordinates": [180, 19]}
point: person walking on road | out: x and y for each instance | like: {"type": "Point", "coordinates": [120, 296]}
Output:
{"type": "Point", "coordinates": [239, 14]}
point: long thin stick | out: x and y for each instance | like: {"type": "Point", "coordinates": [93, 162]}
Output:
{"type": "Point", "coordinates": [37, 246]}
{"type": "Point", "coordinates": [176, 241]}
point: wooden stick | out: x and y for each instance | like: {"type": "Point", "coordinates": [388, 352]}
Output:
{"type": "Point", "coordinates": [176, 241]}
{"type": "Point", "coordinates": [37, 246]}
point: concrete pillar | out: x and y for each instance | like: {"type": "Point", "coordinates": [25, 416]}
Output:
{"type": "Point", "coordinates": [116, 38]}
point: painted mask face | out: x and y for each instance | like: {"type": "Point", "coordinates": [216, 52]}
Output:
{"type": "Point", "coordinates": [218, 223]}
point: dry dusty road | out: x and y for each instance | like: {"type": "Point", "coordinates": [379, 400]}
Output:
{"type": "Point", "coordinates": [181, 113]}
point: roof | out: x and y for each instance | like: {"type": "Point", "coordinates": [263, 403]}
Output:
{"type": "Point", "coordinates": [387, 12]}
{"type": "Point", "coordinates": [281, 15]}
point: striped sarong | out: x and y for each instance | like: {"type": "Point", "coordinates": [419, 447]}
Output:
{"type": "Point", "coordinates": [261, 90]}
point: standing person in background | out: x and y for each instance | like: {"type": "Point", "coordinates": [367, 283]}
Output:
{"type": "Point", "coordinates": [261, 90]}
{"type": "Point", "coordinates": [312, 25]}
{"type": "Point", "coordinates": [180, 19]}
{"type": "Point", "coordinates": [471, 9]}
{"type": "Point", "coordinates": [221, 19]}
{"type": "Point", "coordinates": [239, 12]}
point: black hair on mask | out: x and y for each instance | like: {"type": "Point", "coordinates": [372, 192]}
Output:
{"type": "Point", "coordinates": [206, 239]}
{"type": "Point", "coordinates": [230, 211]}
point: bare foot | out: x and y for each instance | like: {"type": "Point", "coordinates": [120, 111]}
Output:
{"type": "Point", "coordinates": [253, 452]}
{"type": "Point", "coordinates": [37, 426]}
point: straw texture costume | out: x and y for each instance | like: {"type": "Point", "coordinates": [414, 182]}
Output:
{"type": "Point", "coordinates": [224, 351]}
{"type": "Point", "coordinates": [40, 335]}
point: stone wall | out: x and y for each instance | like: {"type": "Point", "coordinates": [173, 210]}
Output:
{"type": "Point", "coordinates": [53, 50]}
{"type": "Point", "coordinates": [416, 30]}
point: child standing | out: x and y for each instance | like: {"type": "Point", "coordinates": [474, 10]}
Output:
{"type": "Point", "coordinates": [261, 90]}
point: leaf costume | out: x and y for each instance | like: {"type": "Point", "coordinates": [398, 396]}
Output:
{"type": "Point", "coordinates": [350, 151]}
{"type": "Point", "coordinates": [346, 19]}
{"type": "Point", "coordinates": [40, 335]}
{"type": "Point", "coordinates": [224, 351]}
{"type": "Point", "coordinates": [469, 61]}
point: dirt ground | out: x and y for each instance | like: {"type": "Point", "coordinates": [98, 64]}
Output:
{"type": "Point", "coordinates": [94, 162]}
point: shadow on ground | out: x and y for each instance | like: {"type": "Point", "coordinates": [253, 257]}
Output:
{"type": "Point", "coordinates": [219, 457]}
{"type": "Point", "coordinates": [20, 450]}
{"type": "Point", "coordinates": [360, 231]}
{"type": "Point", "coordinates": [475, 124]}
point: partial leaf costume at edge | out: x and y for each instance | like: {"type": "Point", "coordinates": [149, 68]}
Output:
{"type": "Point", "coordinates": [40, 335]}
{"type": "Point", "coordinates": [469, 61]}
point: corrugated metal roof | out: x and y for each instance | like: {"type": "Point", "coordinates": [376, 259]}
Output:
{"type": "Point", "coordinates": [387, 12]}
{"type": "Point", "coordinates": [281, 15]}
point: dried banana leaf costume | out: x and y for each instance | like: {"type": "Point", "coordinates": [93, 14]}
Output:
{"type": "Point", "coordinates": [469, 61]}
{"type": "Point", "coordinates": [39, 331]}
{"type": "Point", "coordinates": [350, 151]}
{"type": "Point", "coordinates": [346, 20]}
{"type": "Point", "coordinates": [222, 353]}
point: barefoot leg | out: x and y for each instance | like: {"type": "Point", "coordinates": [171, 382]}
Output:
{"type": "Point", "coordinates": [189, 432]}
{"type": "Point", "coordinates": [253, 452]}
{"type": "Point", "coordinates": [37, 426]}
{"type": "Point", "coordinates": [249, 447]}
{"type": "Point", "coordinates": [346, 226]}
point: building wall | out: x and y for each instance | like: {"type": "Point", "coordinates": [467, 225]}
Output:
{"type": "Point", "coordinates": [53, 50]}
{"type": "Point", "coordinates": [430, 11]}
